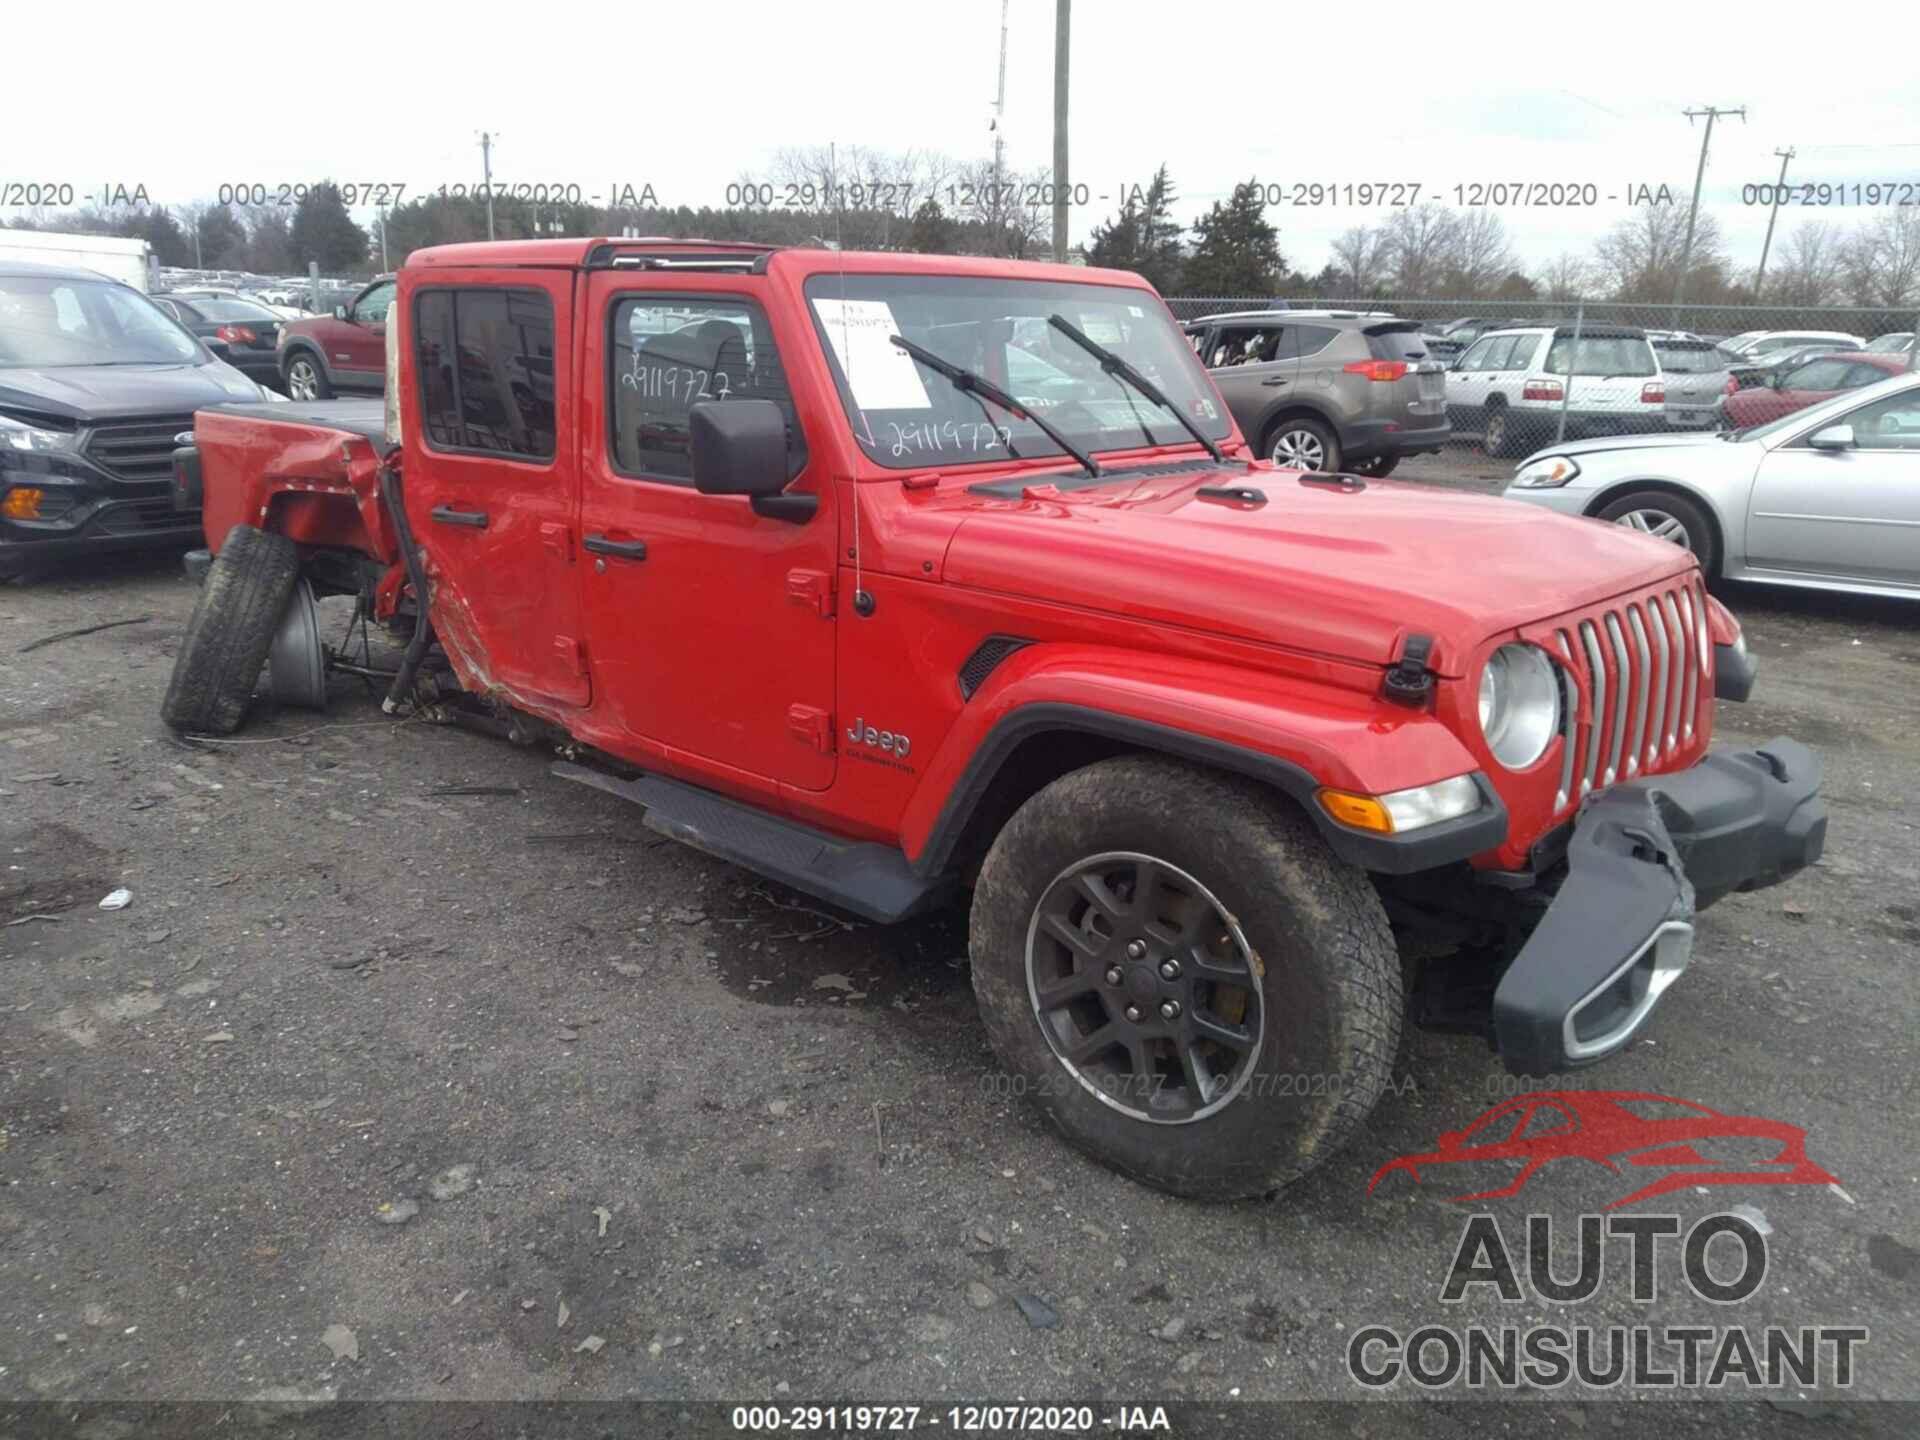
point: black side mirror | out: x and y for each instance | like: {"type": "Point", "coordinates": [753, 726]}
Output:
{"type": "Point", "coordinates": [340, 313]}
{"type": "Point", "coordinates": [739, 447]}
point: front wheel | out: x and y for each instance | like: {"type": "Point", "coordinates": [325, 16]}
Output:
{"type": "Point", "coordinates": [1302, 444]}
{"type": "Point", "coordinates": [1191, 986]}
{"type": "Point", "coordinates": [1666, 516]}
{"type": "Point", "coordinates": [305, 379]}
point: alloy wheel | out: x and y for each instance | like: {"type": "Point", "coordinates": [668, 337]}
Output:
{"type": "Point", "coordinates": [1298, 450]}
{"type": "Point", "coordinates": [1145, 988]}
{"type": "Point", "coordinates": [300, 380]}
{"type": "Point", "coordinates": [1658, 523]}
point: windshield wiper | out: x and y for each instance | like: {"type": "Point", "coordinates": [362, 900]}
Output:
{"type": "Point", "coordinates": [968, 383]}
{"type": "Point", "coordinates": [1115, 366]}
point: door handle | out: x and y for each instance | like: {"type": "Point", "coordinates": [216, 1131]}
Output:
{"type": "Point", "coordinates": [472, 519]}
{"type": "Point", "coordinates": [624, 549]}
{"type": "Point", "coordinates": [1279, 380]}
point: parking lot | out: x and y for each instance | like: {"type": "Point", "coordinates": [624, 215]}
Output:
{"type": "Point", "coordinates": [411, 1071]}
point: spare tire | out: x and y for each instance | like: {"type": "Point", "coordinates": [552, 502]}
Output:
{"type": "Point", "coordinates": [247, 588]}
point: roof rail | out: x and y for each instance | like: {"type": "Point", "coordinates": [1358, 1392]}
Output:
{"type": "Point", "coordinates": [662, 253]}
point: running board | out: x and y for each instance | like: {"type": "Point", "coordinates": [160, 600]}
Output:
{"type": "Point", "coordinates": [873, 881]}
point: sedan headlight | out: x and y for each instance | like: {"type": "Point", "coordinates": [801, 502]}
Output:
{"type": "Point", "coordinates": [1519, 704]}
{"type": "Point", "coordinates": [18, 435]}
{"type": "Point", "coordinates": [1548, 473]}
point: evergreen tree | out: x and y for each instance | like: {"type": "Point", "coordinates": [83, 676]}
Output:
{"type": "Point", "coordinates": [932, 232]}
{"type": "Point", "coordinates": [223, 240]}
{"type": "Point", "coordinates": [323, 231]}
{"type": "Point", "coordinates": [1236, 252]}
{"type": "Point", "coordinates": [1160, 234]}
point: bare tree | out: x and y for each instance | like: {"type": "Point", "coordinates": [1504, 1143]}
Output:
{"type": "Point", "coordinates": [1639, 258]}
{"type": "Point", "coordinates": [1361, 260]}
{"type": "Point", "coordinates": [1419, 243]}
{"type": "Point", "coordinates": [1477, 256]}
{"type": "Point", "coordinates": [1810, 267]}
{"type": "Point", "coordinates": [1880, 262]}
{"type": "Point", "coordinates": [1563, 278]}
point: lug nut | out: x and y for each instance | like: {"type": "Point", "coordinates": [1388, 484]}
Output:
{"type": "Point", "coordinates": [1115, 975]}
{"type": "Point", "coordinates": [1136, 949]}
{"type": "Point", "coordinates": [1169, 969]}
{"type": "Point", "coordinates": [1170, 1009]}
{"type": "Point", "coordinates": [1134, 1012]}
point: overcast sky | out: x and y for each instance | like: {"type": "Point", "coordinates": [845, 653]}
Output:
{"type": "Point", "coordinates": [689, 98]}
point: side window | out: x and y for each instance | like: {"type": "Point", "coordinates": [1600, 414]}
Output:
{"type": "Point", "coordinates": [1546, 1119]}
{"type": "Point", "coordinates": [1311, 339]}
{"type": "Point", "coordinates": [1476, 356]}
{"type": "Point", "coordinates": [1890, 423]}
{"type": "Point", "coordinates": [1498, 350]}
{"type": "Point", "coordinates": [1816, 375]}
{"type": "Point", "coordinates": [371, 308]}
{"type": "Point", "coordinates": [668, 356]}
{"type": "Point", "coordinates": [485, 361]}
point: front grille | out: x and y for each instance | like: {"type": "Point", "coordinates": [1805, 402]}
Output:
{"type": "Point", "coordinates": [137, 449]}
{"type": "Point", "coordinates": [1635, 676]}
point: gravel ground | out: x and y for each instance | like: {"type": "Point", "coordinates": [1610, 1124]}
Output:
{"type": "Point", "coordinates": [376, 1090]}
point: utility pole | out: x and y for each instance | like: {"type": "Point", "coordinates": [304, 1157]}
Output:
{"type": "Point", "coordinates": [486, 171]}
{"type": "Point", "coordinates": [1061, 49]}
{"type": "Point", "coordinates": [382, 213]}
{"type": "Point", "coordinates": [1779, 190]}
{"type": "Point", "coordinates": [1000, 110]}
{"type": "Point", "coordinates": [1693, 211]}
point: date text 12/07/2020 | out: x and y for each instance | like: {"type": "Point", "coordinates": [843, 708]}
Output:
{"type": "Point", "coordinates": [901, 196]}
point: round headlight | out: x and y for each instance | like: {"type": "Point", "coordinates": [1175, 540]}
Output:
{"type": "Point", "coordinates": [1519, 704]}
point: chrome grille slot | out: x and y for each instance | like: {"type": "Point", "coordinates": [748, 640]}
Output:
{"type": "Point", "coordinates": [1679, 653]}
{"type": "Point", "coordinates": [1657, 711]}
{"type": "Point", "coordinates": [1569, 720]}
{"type": "Point", "coordinates": [1692, 632]}
{"type": "Point", "coordinates": [1597, 691]}
{"type": "Point", "coordinates": [1642, 680]}
{"type": "Point", "coordinates": [1621, 671]}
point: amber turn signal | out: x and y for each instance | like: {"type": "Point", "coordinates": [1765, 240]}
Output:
{"type": "Point", "coordinates": [1362, 812]}
{"type": "Point", "coordinates": [22, 503]}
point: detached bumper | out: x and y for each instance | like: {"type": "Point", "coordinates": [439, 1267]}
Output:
{"type": "Point", "coordinates": [1644, 857]}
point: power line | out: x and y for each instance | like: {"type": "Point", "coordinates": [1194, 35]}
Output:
{"type": "Point", "coordinates": [1699, 178]}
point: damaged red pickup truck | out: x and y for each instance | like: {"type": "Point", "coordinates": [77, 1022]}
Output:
{"type": "Point", "coordinates": [888, 576]}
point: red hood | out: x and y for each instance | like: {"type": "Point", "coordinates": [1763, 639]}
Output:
{"type": "Point", "coordinates": [1318, 568]}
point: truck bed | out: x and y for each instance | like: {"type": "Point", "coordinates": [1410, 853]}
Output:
{"type": "Point", "coordinates": [363, 417]}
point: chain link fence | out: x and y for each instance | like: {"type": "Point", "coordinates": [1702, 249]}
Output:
{"type": "Point", "coordinates": [1519, 375]}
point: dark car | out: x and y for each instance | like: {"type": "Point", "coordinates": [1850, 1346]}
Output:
{"type": "Point", "coordinates": [95, 384]}
{"type": "Point", "coordinates": [342, 353]}
{"type": "Point", "coordinates": [248, 329]}
{"type": "Point", "coordinates": [1327, 389]}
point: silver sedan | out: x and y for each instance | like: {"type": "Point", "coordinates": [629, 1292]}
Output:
{"type": "Point", "coordinates": [1827, 498]}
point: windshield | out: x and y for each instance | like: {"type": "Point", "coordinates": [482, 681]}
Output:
{"type": "Point", "coordinates": [905, 415]}
{"type": "Point", "coordinates": [50, 322]}
{"type": "Point", "coordinates": [1891, 344]}
{"type": "Point", "coordinates": [225, 309]}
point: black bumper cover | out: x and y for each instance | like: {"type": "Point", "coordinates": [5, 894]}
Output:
{"type": "Point", "coordinates": [1644, 857]}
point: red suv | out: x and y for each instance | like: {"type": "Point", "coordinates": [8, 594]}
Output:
{"type": "Point", "coordinates": [339, 354]}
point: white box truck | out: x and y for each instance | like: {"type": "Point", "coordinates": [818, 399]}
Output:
{"type": "Point", "coordinates": [129, 261]}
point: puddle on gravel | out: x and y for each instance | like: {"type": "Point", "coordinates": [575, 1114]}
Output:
{"type": "Point", "coordinates": [777, 947]}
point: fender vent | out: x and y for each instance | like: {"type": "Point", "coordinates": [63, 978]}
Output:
{"type": "Point", "coordinates": [985, 659]}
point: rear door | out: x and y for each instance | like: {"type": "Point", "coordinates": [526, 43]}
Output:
{"type": "Point", "coordinates": [1470, 379]}
{"type": "Point", "coordinates": [491, 479]}
{"type": "Point", "coordinates": [1255, 364]}
{"type": "Point", "coordinates": [1852, 514]}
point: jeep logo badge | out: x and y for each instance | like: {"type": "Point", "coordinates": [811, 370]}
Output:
{"type": "Point", "coordinates": [861, 733]}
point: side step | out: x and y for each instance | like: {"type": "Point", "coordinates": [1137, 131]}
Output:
{"type": "Point", "coordinates": [871, 880]}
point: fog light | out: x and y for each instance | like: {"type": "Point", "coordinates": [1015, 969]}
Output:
{"type": "Point", "coordinates": [22, 503]}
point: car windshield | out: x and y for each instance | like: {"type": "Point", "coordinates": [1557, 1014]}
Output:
{"type": "Point", "coordinates": [1891, 344]}
{"type": "Point", "coordinates": [227, 310]}
{"type": "Point", "coordinates": [1601, 355]}
{"type": "Point", "coordinates": [905, 415]}
{"type": "Point", "coordinates": [50, 322]}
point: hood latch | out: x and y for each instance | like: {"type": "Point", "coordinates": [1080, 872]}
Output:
{"type": "Point", "coordinates": [1410, 682]}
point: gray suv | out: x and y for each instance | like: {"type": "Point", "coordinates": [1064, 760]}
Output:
{"type": "Point", "coordinates": [1327, 389]}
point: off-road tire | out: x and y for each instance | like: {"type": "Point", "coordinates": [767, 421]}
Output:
{"type": "Point", "coordinates": [241, 602]}
{"type": "Point", "coordinates": [1700, 537]}
{"type": "Point", "coordinates": [1330, 975]}
{"type": "Point", "coordinates": [322, 388]}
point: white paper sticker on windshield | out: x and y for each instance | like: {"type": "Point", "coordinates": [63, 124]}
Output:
{"type": "Point", "coordinates": [881, 376]}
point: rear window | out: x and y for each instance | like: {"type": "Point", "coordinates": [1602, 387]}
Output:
{"type": "Point", "coordinates": [1687, 357]}
{"type": "Point", "coordinates": [1600, 355]}
{"type": "Point", "coordinates": [1408, 345]}
{"type": "Point", "coordinates": [224, 310]}
{"type": "Point", "coordinates": [1307, 340]}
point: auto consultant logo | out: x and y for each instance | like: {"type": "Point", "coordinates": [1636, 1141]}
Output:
{"type": "Point", "coordinates": [1723, 1259]}
{"type": "Point", "coordinates": [1657, 1144]}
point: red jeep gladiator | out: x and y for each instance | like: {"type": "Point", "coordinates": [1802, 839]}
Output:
{"type": "Point", "coordinates": [891, 576]}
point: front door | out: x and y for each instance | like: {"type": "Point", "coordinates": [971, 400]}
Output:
{"type": "Point", "coordinates": [357, 347]}
{"type": "Point", "coordinates": [491, 481]}
{"type": "Point", "coordinates": [710, 628]}
{"type": "Point", "coordinates": [1851, 513]}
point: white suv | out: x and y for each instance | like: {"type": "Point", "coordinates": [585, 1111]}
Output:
{"type": "Point", "coordinates": [1514, 385]}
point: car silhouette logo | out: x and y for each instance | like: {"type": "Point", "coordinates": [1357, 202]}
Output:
{"type": "Point", "coordinates": [1628, 1132]}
